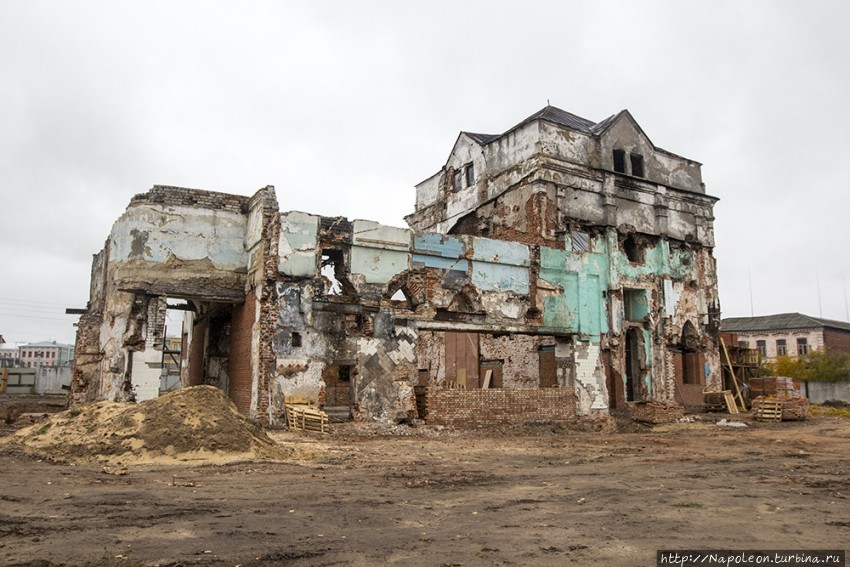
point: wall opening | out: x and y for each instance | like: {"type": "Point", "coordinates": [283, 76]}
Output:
{"type": "Point", "coordinates": [462, 359]}
{"type": "Point", "coordinates": [548, 366]}
{"type": "Point", "coordinates": [637, 165]}
{"type": "Point", "coordinates": [334, 275]}
{"type": "Point", "coordinates": [633, 250]}
{"type": "Point", "coordinates": [633, 352]}
{"type": "Point", "coordinates": [692, 365]}
{"type": "Point", "coordinates": [337, 378]}
{"type": "Point", "coordinates": [619, 161]}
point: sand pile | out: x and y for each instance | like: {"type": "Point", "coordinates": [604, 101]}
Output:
{"type": "Point", "coordinates": [191, 424]}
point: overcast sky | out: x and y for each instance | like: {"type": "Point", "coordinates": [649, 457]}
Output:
{"type": "Point", "coordinates": [345, 106]}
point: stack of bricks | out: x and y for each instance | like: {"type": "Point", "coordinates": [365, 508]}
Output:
{"type": "Point", "coordinates": [498, 406]}
{"type": "Point", "coordinates": [181, 196]}
{"type": "Point", "coordinates": [657, 412]}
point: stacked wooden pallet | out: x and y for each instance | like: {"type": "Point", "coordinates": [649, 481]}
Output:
{"type": "Point", "coordinates": [303, 415]}
{"type": "Point", "coordinates": [780, 408]}
{"type": "Point", "coordinates": [768, 409]}
{"type": "Point", "coordinates": [789, 409]}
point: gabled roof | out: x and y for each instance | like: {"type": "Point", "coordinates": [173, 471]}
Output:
{"type": "Point", "coordinates": [780, 322]}
{"type": "Point", "coordinates": [483, 139]}
{"type": "Point", "coordinates": [556, 116]}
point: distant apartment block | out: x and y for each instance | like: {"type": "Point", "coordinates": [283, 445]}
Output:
{"type": "Point", "coordinates": [45, 353]}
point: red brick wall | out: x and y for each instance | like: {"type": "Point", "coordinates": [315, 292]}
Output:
{"type": "Point", "coordinates": [837, 341]}
{"type": "Point", "coordinates": [240, 366]}
{"type": "Point", "coordinates": [465, 408]}
{"type": "Point", "coordinates": [196, 354]}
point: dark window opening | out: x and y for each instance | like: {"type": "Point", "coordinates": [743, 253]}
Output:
{"type": "Point", "coordinates": [633, 365]}
{"type": "Point", "coordinates": [637, 165]}
{"type": "Point", "coordinates": [781, 347]}
{"type": "Point", "coordinates": [619, 161]}
{"type": "Point", "coordinates": [470, 175]}
{"type": "Point", "coordinates": [296, 339]}
{"type": "Point", "coordinates": [633, 251]}
{"type": "Point", "coordinates": [762, 347]}
{"type": "Point", "coordinates": [457, 181]}
{"type": "Point", "coordinates": [802, 347]}
{"type": "Point", "coordinates": [345, 373]}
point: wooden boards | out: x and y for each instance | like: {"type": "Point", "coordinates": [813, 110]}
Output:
{"type": "Point", "coordinates": [303, 415]}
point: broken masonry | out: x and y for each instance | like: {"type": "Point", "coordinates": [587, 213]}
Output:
{"type": "Point", "coordinates": [561, 269]}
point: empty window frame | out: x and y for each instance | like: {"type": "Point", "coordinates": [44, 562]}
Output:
{"type": "Point", "coordinates": [743, 344]}
{"type": "Point", "coordinates": [637, 165]}
{"type": "Point", "coordinates": [457, 181]}
{"type": "Point", "coordinates": [580, 240]}
{"type": "Point", "coordinates": [762, 347]}
{"type": "Point", "coordinates": [620, 161]}
{"type": "Point", "coordinates": [296, 339]}
{"type": "Point", "coordinates": [781, 347]}
{"type": "Point", "coordinates": [469, 170]}
{"type": "Point", "coordinates": [802, 346]}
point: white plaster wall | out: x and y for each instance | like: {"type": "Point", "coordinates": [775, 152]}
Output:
{"type": "Point", "coordinates": [147, 370]}
{"type": "Point", "coordinates": [428, 190]}
{"type": "Point", "coordinates": [153, 233]}
{"type": "Point", "coordinates": [591, 390]}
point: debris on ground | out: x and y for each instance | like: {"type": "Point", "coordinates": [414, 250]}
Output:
{"type": "Point", "coordinates": [728, 423]}
{"type": "Point", "coordinates": [188, 425]}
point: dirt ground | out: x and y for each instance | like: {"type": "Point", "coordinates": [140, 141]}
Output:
{"type": "Point", "coordinates": [531, 497]}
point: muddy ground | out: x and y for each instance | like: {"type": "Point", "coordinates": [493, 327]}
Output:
{"type": "Point", "coordinates": [533, 497]}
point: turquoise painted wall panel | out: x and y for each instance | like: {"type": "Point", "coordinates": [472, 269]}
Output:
{"type": "Point", "coordinates": [580, 308]}
{"type": "Point", "coordinates": [378, 266]}
{"type": "Point", "coordinates": [379, 252]}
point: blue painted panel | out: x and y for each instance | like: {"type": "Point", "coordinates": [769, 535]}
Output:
{"type": "Point", "coordinates": [441, 263]}
{"type": "Point", "coordinates": [439, 244]}
{"type": "Point", "coordinates": [500, 252]}
{"type": "Point", "coordinates": [499, 277]}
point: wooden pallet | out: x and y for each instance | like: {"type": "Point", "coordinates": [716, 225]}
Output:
{"type": "Point", "coordinates": [770, 410]}
{"type": "Point", "coordinates": [301, 414]}
{"type": "Point", "coordinates": [719, 400]}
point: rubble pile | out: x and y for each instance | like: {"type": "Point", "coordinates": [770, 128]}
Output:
{"type": "Point", "coordinates": [191, 424]}
{"type": "Point", "coordinates": [657, 412]}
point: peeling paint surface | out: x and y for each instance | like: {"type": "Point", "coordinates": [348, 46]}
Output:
{"type": "Point", "coordinates": [298, 246]}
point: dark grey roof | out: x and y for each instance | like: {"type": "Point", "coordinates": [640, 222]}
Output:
{"type": "Point", "coordinates": [562, 117]}
{"type": "Point", "coordinates": [551, 114]}
{"type": "Point", "coordinates": [780, 322]}
{"type": "Point", "coordinates": [483, 138]}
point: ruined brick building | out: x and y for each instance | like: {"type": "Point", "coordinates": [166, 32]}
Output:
{"type": "Point", "coordinates": [560, 269]}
